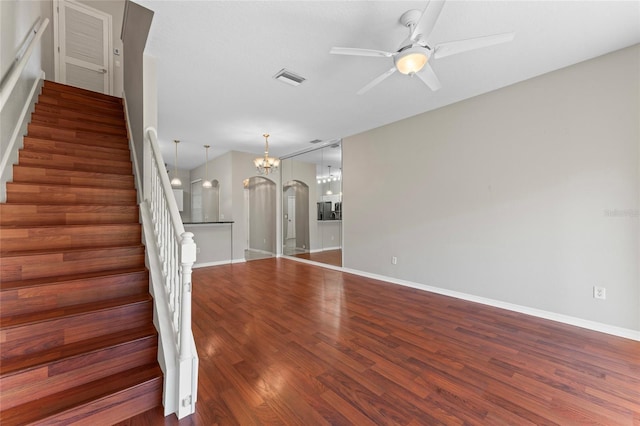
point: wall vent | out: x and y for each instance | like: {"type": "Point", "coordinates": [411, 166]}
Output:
{"type": "Point", "coordinates": [288, 77]}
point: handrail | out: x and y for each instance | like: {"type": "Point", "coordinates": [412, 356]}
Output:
{"type": "Point", "coordinates": [176, 254]}
{"type": "Point", "coordinates": [15, 72]}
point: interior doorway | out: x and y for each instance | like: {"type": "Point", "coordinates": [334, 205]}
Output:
{"type": "Point", "coordinates": [82, 51]}
{"type": "Point", "coordinates": [260, 208]}
{"type": "Point", "coordinates": [296, 218]}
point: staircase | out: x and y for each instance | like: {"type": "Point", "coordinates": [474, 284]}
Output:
{"type": "Point", "coordinates": [77, 342]}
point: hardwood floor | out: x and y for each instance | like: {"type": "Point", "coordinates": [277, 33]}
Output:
{"type": "Point", "coordinates": [330, 257]}
{"type": "Point", "coordinates": [282, 342]}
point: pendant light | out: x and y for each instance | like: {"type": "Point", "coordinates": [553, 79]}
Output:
{"type": "Point", "coordinates": [206, 183]}
{"type": "Point", "coordinates": [176, 182]}
{"type": "Point", "coordinates": [329, 192]}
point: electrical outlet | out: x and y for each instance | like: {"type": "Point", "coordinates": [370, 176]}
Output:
{"type": "Point", "coordinates": [197, 250]}
{"type": "Point", "coordinates": [394, 260]}
{"type": "Point", "coordinates": [599, 292]}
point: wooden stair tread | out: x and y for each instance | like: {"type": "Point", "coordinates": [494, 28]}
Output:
{"type": "Point", "coordinates": [21, 253]}
{"type": "Point", "coordinates": [53, 131]}
{"type": "Point", "coordinates": [24, 214]}
{"type": "Point", "coordinates": [53, 314]}
{"type": "Point", "coordinates": [75, 124]}
{"type": "Point", "coordinates": [49, 406]}
{"type": "Point", "coordinates": [49, 84]}
{"type": "Point", "coordinates": [47, 110]}
{"type": "Point", "coordinates": [32, 143]}
{"type": "Point", "coordinates": [19, 192]}
{"type": "Point", "coordinates": [71, 350]}
{"type": "Point", "coordinates": [77, 101]}
{"type": "Point", "coordinates": [35, 282]}
{"type": "Point", "coordinates": [51, 157]}
{"type": "Point", "coordinates": [66, 172]}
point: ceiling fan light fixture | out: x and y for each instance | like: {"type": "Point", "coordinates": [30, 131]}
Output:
{"type": "Point", "coordinates": [411, 61]}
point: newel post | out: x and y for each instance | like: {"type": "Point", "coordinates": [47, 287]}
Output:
{"type": "Point", "coordinates": [186, 375]}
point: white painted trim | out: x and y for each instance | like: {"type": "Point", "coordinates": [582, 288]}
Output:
{"type": "Point", "coordinates": [167, 354]}
{"type": "Point", "coordinates": [134, 158]}
{"type": "Point", "coordinates": [241, 260]}
{"type": "Point", "coordinates": [207, 264]}
{"type": "Point", "coordinates": [10, 156]}
{"type": "Point", "coordinates": [311, 262]}
{"type": "Point", "coordinates": [565, 319]}
{"type": "Point", "coordinates": [325, 249]}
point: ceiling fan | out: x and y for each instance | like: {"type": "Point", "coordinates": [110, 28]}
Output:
{"type": "Point", "coordinates": [414, 52]}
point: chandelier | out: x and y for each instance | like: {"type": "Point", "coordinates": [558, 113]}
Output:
{"type": "Point", "coordinates": [265, 165]}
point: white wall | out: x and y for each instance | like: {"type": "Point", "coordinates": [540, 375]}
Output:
{"type": "Point", "coordinates": [527, 195]}
{"type": "Point", "coordinates": [17, 20]}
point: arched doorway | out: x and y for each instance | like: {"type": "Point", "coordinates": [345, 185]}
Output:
{"type": "Point", "coordinates": [295, 206]}
{"type": "Point", "coordinates": [260, 207]}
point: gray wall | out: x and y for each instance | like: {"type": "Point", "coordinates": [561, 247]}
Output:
{"type": "Point", "coordinates": [136, 25]}
{"type": "Point", "coordinates": [527, 195]}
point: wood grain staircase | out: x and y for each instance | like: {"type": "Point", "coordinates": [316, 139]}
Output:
{"type": "Point", "coordinates": [77, 342]}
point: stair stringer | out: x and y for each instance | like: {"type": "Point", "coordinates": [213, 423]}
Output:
{"type": "Point", "coordinates": [167, 351]}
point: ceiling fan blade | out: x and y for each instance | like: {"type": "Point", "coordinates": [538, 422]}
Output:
{"type": "Point", "coordinates": [427, 21]}
{"type": "Point", "coordinates": [429, 77]}
{"type": "Point", "coordinates": [377, 80]}
{"type": "Point", "coordinates": [454, 47]}
{"type": "Point", "coordinates": [354, 51]}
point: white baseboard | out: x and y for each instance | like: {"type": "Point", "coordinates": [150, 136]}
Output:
{"type": "Point", "coordinates": [325, 249]}
{"type": "Point", "coordinates": [565, 319]}
{"type": "Point", "coordinates": [217, 263]}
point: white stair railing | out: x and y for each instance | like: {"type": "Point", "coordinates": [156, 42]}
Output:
{"type": "Point", "coordinates": [171, 253]}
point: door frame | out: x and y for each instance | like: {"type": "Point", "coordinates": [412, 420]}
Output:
{"type": "Point", "coordinates": [57, 39]}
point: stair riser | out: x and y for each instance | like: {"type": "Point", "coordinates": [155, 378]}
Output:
{"type": "Point", "coordinates": [20, 301]}
{"type": "Point", "coordinates": [63, 375]}
{"type": "Point", "coordinates": [69, 237]}
{"type": "Point", "coordinates": [74, 114]}
{"type": "Point", "coordinates": [78, 125]}
{"type": "Point", "coordinates": [88, 101]}
{"type": "Point", "coordinates": [112, 409]}
{"type": "Point", "coordinates": [40, 159]}
{"type": "Point", "coordinates": [79, 106]}
{"type": "Point", "coordinates": [24, 267]}
{"type": "Point", "coordinates": [43, 194]}
{"type": "Point", "coordinates": [34, 337]}
{"type": "Point", "coordinates": [52, 85]}
{"type": "Point", "coordinates": [33, 174]}
{"type": "Point", "coordinates": [80, 136]}
{"type": "Point", "coordinates": [33, 214]}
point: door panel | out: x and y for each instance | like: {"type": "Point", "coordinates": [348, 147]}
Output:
{"type": "Point", "coordinates": [85, 47]}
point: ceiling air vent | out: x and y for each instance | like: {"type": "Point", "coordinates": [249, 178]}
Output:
{"type": "Point", "coordinates": [315, 141]}
{"type": "Point", "coordinates": [288, 77]}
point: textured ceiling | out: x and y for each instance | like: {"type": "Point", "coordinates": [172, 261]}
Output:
{"type": "Point", "coordinates": [216, 61]}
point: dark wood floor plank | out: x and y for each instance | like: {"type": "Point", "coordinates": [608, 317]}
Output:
{"type": "Point", "coordinates": [282, 342]}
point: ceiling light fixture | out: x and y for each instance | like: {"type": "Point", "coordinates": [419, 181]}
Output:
{"type": "Point", "coordinates": [206, 183]}
{"type": "Point", "coordinates": [266, 164]}
{"type": "Point", "coordinates": [329, 192]}
{"type": "Point", "coordinates": [176, 182]}
{"type": "Point", "coordinates": [411, 60]}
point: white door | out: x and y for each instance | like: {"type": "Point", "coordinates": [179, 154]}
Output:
{"type": "Point", "coordinates": [291, 216]}
{"type": "Point", "coordinates": [83, 56]}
